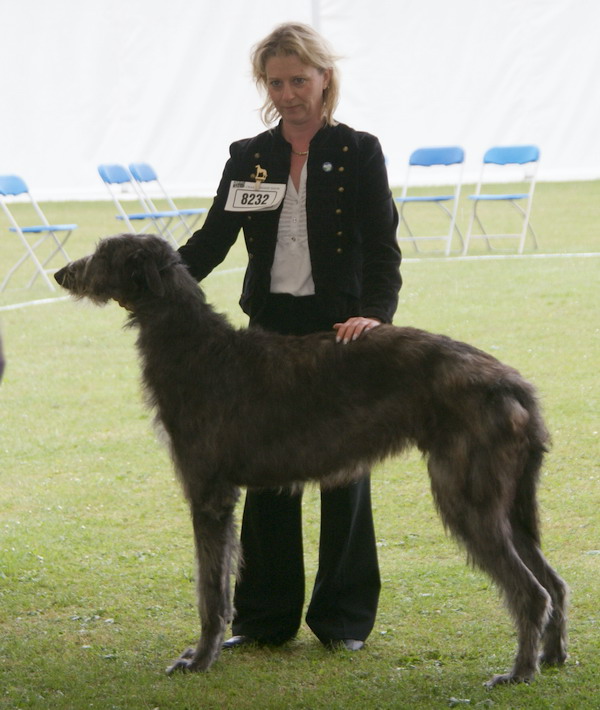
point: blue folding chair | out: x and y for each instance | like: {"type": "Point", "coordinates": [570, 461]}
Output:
{"type": "Point", "coordinates": [147, 179]}
{"type": "Point", "coordinates": [449, 160]}
{"type": "Point", "coordinates": [42, 242]}
{"type": "Point", "coordinates": [122, 189]}
{"type": "Point", "coordinates": [519, 164]}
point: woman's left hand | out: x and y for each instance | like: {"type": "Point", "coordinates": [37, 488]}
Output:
{"type": "Point", "coordinates": [353, 328]}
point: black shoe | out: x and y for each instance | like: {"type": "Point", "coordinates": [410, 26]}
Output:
{"type": "Point", "coordinates": [348, 644]}
{"type": "Point", "coordinates": [236, 641]}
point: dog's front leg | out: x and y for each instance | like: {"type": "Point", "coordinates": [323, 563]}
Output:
{"type": "Point", "coordinates": [216, 551]}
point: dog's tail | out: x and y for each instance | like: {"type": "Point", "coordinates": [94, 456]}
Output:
{"type": "Point", "coordinates": [536, 443]}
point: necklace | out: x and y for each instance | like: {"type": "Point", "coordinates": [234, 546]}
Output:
{"type": "Point", "coordinates": [299, 152]}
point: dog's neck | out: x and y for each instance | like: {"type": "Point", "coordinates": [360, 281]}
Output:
{"type": "Point", "coordinates": [189, 311]}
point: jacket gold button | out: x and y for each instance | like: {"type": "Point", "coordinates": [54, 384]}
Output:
{"type": "Point", "coordinates": [338, 211]}
{"type": "Point", "coordinates": [340, 189]}
{"type": "Point", "coordinates": [345, 149]}
{"type": "Point", "coordinates": [339, 234]}
{"type": "Point", "coordinates": [339, 250]}
{"type": "Point", "coordinates": [341, 169]}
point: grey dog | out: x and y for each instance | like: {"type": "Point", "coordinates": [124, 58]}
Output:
{"type": "Point", "coordinates": [250, 408]}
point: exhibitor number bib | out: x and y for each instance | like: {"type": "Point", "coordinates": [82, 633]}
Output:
{"type": "Point", "coordinates": [254, 197]}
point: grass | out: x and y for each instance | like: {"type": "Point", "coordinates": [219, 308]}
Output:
{"type": "Point", "coordinates": [96, 560]}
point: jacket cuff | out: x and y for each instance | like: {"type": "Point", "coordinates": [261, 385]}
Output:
{"type": "Point", "coordinates": [376, 313]}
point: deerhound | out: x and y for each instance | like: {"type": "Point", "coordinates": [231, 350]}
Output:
{"type": "Point", "coordinates": [252, 408]}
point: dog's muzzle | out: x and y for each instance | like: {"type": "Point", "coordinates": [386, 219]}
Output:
{"type": "Point", "coordinates": [61, 275]}
{"type": "Point", "coordinates": [73, 276]}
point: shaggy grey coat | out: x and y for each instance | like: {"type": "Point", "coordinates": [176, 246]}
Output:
{"type": "Point", "coordinates": [251, 408]}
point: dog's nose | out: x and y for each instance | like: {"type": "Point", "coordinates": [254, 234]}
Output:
{"type": "Point", "coordinates": [60, 275]}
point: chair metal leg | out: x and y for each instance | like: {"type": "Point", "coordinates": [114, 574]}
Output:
{"type": "Point", "coordinates": [40, 270]}
{"type": "Point", "coordinates": [411, 237]}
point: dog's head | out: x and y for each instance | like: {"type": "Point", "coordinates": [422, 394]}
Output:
{"type": "Point", "coordinates": [129, 268]}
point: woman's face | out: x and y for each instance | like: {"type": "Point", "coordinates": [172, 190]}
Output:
{"type": "Point", "coordinates": [296, 89]}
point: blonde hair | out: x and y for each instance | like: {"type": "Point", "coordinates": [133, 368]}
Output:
{"type": "Point", "coordinates": [311, 49]}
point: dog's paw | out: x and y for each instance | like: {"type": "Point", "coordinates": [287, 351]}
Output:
{"type": "Point", "coordinates": [191, 661]}
{"type": "Point", "coordinates": [184, 663]}
{"type": "Point", "coordinates": [508, 679]}
{"type": "Point", "coordinates": [557, 658]}
{"type": "Point", "coordinates": [181, 664]}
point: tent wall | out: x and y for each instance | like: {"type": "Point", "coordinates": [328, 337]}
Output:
{"type": "Point", "coordinates": [92, 81]}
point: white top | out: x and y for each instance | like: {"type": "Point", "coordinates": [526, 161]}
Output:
{"type": "Point", "coordinates": [291, 271]}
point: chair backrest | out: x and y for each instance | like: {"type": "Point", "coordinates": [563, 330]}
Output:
{"type": "Point", "coordinates": [431, 157]}
{"type": "Point", "coordinates": [114, 174]}
{"type": "Point", "coordinates": [512, 155]}
{"type": "Point", "coordinates": [142, 172]}
{"type": "Point", "coordinates": [445, 155]}
{"type": "Point", "coordinates": [12, 185]}
{"type": "Point", "coordinates": [145, 173]}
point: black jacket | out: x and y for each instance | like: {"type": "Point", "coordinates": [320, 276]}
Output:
{"type": "Point", "coordinates": [351, 223]}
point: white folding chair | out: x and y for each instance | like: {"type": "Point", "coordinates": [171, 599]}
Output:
{"type": "Point", "coordinates": [42, 242]}
{"type": "Point", "coordinates": [123, 189]}
{"type": "Point", "coordinates": [518, 163]}
{"type": "Point", "coordinates": [147, 180]}
{"type": "Point", "coordinates": [449, 160]}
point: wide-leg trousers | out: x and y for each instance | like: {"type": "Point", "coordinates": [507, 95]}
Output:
{"type": "Point", "coordinates": [269, 593]}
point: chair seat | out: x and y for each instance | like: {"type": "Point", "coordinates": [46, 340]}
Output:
{"type": "Point", "coordinates": [515, 196]}
{"type": "Point", "coordinates": [39, 228]}
{"type": "Point", "coordinates": [192, 210]}
{"type": "Point", "coordinates": [149, 215]}
{"type": "Point", "coordinates": [425, 198]}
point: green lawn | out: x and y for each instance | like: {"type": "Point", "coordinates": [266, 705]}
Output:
{"type": "Point", "coordinates": [96, 558]}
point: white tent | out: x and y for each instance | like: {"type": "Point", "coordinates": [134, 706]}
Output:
{"type": "Point", "coordinates": [92, 81]}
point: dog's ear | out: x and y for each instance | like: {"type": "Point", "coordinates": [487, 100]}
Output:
{"type": "Point", "coordinates": [145, 272]}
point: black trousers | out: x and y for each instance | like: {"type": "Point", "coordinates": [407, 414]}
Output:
{"type": "Point", "coordinates": [269, 595]}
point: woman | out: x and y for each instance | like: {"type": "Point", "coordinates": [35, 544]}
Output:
{"type": "Point", "coordinates": [312, 198]}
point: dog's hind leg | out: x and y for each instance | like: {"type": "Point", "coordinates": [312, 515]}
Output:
{"type": "Point", "coordinates": [554, 637]}
{"type": "Point", "coordinates": [528, 601]}
{"type": "Point", "coordinates": [485, 530]}
{"type": "Point", "coordinates": [526, 538]}
{"type": "Point", "coordinates": [216, 551]}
